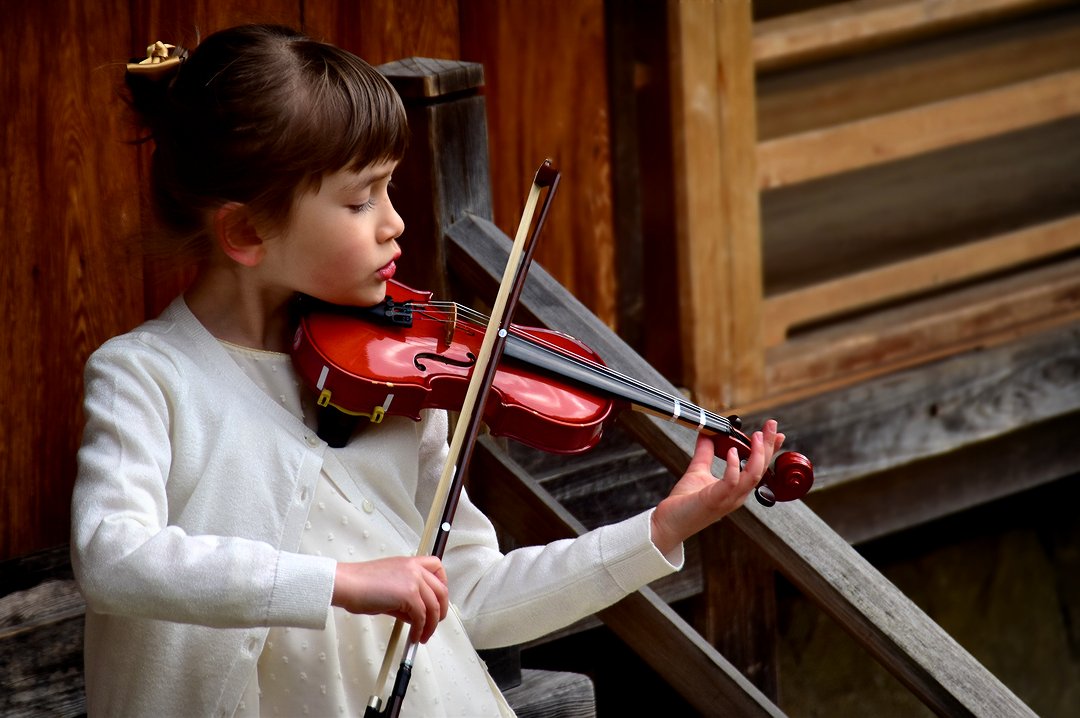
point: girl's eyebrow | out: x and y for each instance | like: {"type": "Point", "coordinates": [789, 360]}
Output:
{"type": "Point", "coordinates": [365, 180]}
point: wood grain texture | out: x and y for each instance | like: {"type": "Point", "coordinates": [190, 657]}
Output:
{"type": "Point", "coordinates": [717, 219]}
{"type": "Point", "coordinates": [844, 27]}
{"type": "Point", "coordinates": [66, 218]}
{"type": "Point", "coordinates": [546, 91]}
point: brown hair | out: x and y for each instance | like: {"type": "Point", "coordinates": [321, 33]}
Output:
{"type": "Point", "coordinates": [257, 114]}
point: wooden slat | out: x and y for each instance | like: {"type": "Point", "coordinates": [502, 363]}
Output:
{"type": "Point", "coordinates": [918, 275]}
{"type": "Point", "coordinates": [886, 341]}
{"type": "Point", "coordinates": [893, 136]}
{"type": "Point", "coordinates": [810, 97]}
{"type": "Point", "coordinates": [648, 625]}
{"type": "Point", "coordinates": [717, 223]}
{"type": "Point", "coordinates": [842, 27]}
{"type": "Point", "coordinates": [899, 635]}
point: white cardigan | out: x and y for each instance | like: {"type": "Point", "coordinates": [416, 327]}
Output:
{"type": "Point", "coordinates": [193, 490]}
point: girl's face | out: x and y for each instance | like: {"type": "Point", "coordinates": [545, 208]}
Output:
{"type": "Point", "coordinates": [340, 242]}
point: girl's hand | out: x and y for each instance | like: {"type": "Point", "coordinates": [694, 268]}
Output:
{"type": "Point", "coordinates": [410, 588]}
{"type": "Point", "coordinates": [698, 499]}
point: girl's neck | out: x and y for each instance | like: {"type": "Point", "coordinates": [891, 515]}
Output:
{"type": "Point", "coordinates": [239, 311]}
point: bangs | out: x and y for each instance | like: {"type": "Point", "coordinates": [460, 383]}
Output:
{"type": "Point", "coordinates": [352, 108]}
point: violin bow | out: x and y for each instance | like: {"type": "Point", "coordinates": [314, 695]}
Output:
{"type": "Point", "coordinates": [448, 491]}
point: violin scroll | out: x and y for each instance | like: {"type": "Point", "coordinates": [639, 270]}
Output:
{"type": "Point", "coordinates": [790, 478]}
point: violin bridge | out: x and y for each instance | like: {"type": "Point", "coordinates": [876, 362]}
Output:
{"type": "Point", "coordinates": [448, 330]}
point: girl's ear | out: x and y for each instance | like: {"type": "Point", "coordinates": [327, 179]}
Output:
{"type": "Point", "coordinates": [237, 236]}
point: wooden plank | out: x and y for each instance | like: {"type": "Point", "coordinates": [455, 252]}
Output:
{"type": "Point", "coordinates": [918, 275]}
{"type": "Point", "coordinates": [41, 637]}
{"type": "Point", "coordinates": [649, 626]}
{"type": "Point", "coordinates": [875, 140]}
{"type": "Point", "coordinates": [547, 98]}
{"type": "Point", "coordinates": [812, 556]}
{"type": "Point", "coordinates": [810, 97]}
{"type": "Point", "coordinates": [72, 271]}
{"type": "Point", "coordinates": [717, 222]}
{"type": "Point", "coordinates": [930, 488]}
{"type": "Point", "coordinates": [844, 27]}
{"type": "Point", "coordinates": [978, 316]}
{"type": "Point", "coordinates": [891, 422]}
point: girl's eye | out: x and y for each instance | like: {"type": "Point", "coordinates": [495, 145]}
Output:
{"type": "Point", "coordinates": [361, 208]}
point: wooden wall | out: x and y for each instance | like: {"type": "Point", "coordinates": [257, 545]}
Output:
{"type": "Point", "coordinates": [70, 208]}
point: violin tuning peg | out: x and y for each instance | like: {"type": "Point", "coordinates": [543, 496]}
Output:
{"type": "Point", "coordinates": [765, 496]}
{"type": "Point", "coordinates": [735, 420]}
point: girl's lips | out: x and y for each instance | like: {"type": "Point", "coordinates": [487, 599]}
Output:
{"type": "Point", "coordinates": [388, 271]}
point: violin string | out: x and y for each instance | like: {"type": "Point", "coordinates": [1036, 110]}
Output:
{"type": "Point", "coordinates": [447, 311]}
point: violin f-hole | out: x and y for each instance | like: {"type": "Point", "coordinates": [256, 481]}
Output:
{"type": "Point", "coordinates": [468, 361]}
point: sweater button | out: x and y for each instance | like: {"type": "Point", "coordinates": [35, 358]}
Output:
{"type": "Point", "coordinates": [368, 506]}
{"type": "Point", "coordinates": [312, 440]}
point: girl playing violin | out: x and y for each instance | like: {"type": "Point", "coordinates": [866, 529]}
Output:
{"type": "Point", "coordinates": [233, 563]}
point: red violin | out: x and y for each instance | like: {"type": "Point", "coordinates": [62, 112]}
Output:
{"type": "Point", "coordinates": [550, 391]}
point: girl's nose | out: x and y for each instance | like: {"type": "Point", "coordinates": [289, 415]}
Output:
{"type": "Point", "coordinates": [393, 226]}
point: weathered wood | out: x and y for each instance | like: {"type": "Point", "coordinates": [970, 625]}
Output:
{"type": "Point", "coordinates": [737, 605]}
{"type": "Point", "coordinates": [812, 96]}
{"type": "Point", "coordinates": [844, 27]}
{"type": "Point", "coordinates": [900, 134]}
{"type": "Point", "coordinates": [917, 332]}
{"type": "Point", "coordinates": [937, 486]}
{"type": "Point", "coordinates": [894, 421]}
{"type": "Point", "coordinates": [446, 167]}
{"type": "Point", "coordinates": [41, 637]}
{"type": "Point", "coordinates": [644, 621]}
{"type": "Point", "coordinates": [921, 274]}
{"type": "Point", "coordinates": [812, 556]}
{"type": "Point", "coordinates": [899, 211]}
{"type": "Point", "coordinates": [717, 224]}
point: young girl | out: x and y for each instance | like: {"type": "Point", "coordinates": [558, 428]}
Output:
{"type": "Point", "coordinates": [233, 563]}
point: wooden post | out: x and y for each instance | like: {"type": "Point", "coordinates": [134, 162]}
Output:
{"type": "Point", "coordinates": [737, 606]}
{"type": "Point", "coordinates": [717, 218]}
{"type": "Point", "coordinates": [445, 173]}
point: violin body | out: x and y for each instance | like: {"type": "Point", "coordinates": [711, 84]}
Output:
{"type": "Point", "coordinates": [365, 369]}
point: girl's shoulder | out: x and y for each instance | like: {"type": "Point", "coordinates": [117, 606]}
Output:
{"type": "Point", "coordinates": [172, 339]}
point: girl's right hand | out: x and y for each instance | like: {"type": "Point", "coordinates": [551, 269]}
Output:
{"type": "Point", "coordinates": [410, 588]}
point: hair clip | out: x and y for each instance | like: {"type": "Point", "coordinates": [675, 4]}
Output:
{"type": "Point", "coordinates": [160, 60]}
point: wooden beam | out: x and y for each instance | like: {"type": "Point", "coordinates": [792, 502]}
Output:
{"type": "Point", "coordinates": [717, 223]}
{"type": "Point", "coordinates": [812, 556]}
{"type": "Point", "coordinates": [933, 487]}
{"type": "Point", "coordinates": [920, 331]}
{"type": "Point", "coordinates": [904, 133]}
{"type": "Point", "coordinates": [921, 274]}
{"type": "Point", "coordinates": [843, 27]}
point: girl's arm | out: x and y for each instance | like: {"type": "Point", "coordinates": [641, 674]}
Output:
{"type": "Point", "coordinates": [129, 557]}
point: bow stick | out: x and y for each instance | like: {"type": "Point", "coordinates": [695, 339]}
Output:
{"type": "Point", "coordinates": [448, 491]}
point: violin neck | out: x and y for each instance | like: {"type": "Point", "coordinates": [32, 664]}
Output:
{"type": "Point", "coordinates": [606, 382]}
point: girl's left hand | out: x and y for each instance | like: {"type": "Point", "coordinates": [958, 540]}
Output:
{"type": "Point", "coordinates": [699, 499]}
